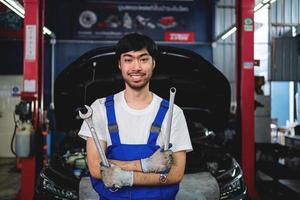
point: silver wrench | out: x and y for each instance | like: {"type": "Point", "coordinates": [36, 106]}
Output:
{"type": "Point", "coordinates": [88, 119]}
{"type": "Point", "coordinates": [170, 116]}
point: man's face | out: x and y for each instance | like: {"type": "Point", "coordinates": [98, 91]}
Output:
{"type": "Point", "coordinates": [136, 68]}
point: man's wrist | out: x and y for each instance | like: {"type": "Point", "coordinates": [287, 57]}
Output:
{"type": "Point", "coordinates": [131, 177]}
{"type": "Point", "coordinates": [163, 178]}
{"type": "Point", "coordinates": [144, 165]}
{"type": "Point", "coordinates": [126, 179]}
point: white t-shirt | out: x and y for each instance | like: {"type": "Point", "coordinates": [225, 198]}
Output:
{"type": "Point", "coordinates": [134, 124]}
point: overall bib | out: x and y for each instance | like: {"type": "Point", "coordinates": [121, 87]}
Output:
{"type": "Point", "coordinates": [128, 152]}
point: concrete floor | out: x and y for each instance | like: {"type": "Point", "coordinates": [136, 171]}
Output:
{"type": "Point", "coordinates": [9, 179]}
{"type": "Point", "coordinates": [283, 189]}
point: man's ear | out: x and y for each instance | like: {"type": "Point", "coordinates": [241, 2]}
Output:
{"type": "Point", "coordinates": [153, 64]}
{"type": "Point", "coordinates": [119, 65]}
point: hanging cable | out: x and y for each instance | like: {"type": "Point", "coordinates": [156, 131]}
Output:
{"type": "Point", "coordinates": [14, 134]}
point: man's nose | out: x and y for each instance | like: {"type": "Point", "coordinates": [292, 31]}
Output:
{"type": "Point", "coordinates": [136, 64]}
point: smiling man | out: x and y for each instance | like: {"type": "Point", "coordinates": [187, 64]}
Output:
{"type": "Point", "coordinates": [131, 126]}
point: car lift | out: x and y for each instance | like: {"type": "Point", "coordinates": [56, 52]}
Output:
{"type": "Point", "coordinates": [33, 86]}
{"type": "Point", "coordinates": [245, 88]}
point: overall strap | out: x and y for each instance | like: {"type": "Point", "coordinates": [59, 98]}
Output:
{"type": "Point", "coordinates": [111, 120]}
{"type": "Point", "coordinates": [156, 125]}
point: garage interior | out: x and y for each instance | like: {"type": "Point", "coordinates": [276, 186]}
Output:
{"type": "Point", "coordinates": [237, 61]}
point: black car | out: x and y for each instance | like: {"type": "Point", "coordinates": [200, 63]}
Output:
{"type": "Point", "coordinates": [203, 93]}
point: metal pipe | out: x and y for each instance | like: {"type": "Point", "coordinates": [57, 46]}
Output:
{"type": "Point", "coordinates": [170, 116]}
{"type": "Point", "coordinates": [52, 42]}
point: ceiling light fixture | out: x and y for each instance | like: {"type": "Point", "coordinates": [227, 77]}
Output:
{"type": "Point", "coordinates": [17, 8]}
{"type": "Point", "coordinates": [47, 31]}
{"type": "Point", "coordinates": [258, 6]}
{"type": "Point", "coordinates": [14, 8]}
{"type": "Point", "coordinates": [261, 5]}
{"type": "Point", "coordinates": [228, 33]}
{"type": "Point", "coordinates": [294, 31]}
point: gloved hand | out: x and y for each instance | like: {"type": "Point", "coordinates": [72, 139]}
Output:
{"type": "Point", "coordinates": [115, 177]}
{"type": "Point", "coordinates": [160, 161]}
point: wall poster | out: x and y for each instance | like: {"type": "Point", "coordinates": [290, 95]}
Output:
{"type": "Point", "coordinates": [162, 20]}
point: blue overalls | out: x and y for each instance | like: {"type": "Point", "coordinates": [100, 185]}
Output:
{"type": "Point", "coordinates": [127, 152]}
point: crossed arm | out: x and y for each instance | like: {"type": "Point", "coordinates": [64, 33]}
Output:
{"type": "Point", "coordinates": [175, 174]}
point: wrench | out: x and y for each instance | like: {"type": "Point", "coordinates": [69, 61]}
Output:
{"type": "Point", "coordinates": [88, 119]}
{"type": "Point", "coordinates": [170, 116]}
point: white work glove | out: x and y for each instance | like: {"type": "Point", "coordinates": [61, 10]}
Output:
{"type": "Point", "coordinates": [160, 161]}
{"type": "Point", "coordinates": [115, 177]}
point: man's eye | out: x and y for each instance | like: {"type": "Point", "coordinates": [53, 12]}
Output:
{"type": "Point", "coordinates": [144, 59]}
{"type": "Point", "coordinates": [128, 60]}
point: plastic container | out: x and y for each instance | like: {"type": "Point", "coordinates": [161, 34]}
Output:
{"type": "Point", "coordinates": [24, 140]}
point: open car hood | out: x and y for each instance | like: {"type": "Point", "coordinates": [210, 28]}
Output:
{"type": "Point", "coordinates": [203, 92]}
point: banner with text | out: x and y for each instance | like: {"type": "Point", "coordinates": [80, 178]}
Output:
{"type": "Point", "coordinates": [170, 21]}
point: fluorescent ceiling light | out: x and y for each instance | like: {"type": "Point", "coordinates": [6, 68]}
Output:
{"type": "Point", "coordinates": [46, 31]}
{"type": "Point", "coordinates": [263, 7]}
{"type": "Point", "coordinates": [228, 33]}
{"type": "Point", "coordinates": [16, 5]}
{"type": "Point", "coordinates": [294, 32]}
{"type": "Point", "coordinates": [267, 1]}
{"type": "Point", "coordinates": [259, 6]}
{"type": "Point", "coordinates": [17, 8]}
{"type": "Point", "coordinates": [13, 8]}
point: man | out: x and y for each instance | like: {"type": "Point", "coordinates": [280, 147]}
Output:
{"type": "Point", "coordinates": [131, 126]}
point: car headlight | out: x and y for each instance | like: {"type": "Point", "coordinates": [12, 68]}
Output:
{"type": "Point", "coordinates": [235, 186]}
{"type": "Point", "coordinates": [48, 186]}
{"type": "Point", "coordinates": [232, 182]}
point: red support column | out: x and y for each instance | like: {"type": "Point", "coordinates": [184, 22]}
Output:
{"type": "Point", "coordinates": [245, 87]}
{"type": "Point", "coordinates": [32, 86]}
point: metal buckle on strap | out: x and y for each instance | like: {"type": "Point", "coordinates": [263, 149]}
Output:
{"type": "Point", "coordinates": [113, 128]}
{"type": "Point", "coordinates": [155, 129]}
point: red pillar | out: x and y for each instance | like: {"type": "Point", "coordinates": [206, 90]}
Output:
{"type": "Point", "coordinates": [32, 86]}
{"type": "Point", "coordinates": [245, 87]}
